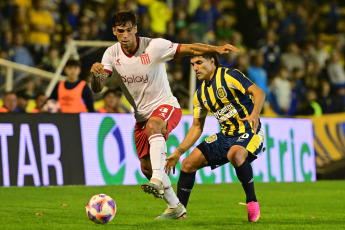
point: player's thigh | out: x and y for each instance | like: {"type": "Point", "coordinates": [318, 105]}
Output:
{"type": "Point", "coordinates": [196, 160]}
{"type": "Point", "coordinates": [163, 120]}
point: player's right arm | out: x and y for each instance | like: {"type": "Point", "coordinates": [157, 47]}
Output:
{"type": "Point", "coordinates": [200, 113]}
{"type": "Point", "coordinates": [192, 136]}
{"type": "Point", "coordinates": [99, 77]}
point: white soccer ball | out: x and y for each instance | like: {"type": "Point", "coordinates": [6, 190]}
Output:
{"type": "Point", "coordinates": [51, 106]}
{"type": "Point", "coordinates": [101, 209]}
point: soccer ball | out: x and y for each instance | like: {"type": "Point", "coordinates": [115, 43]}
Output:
{"type": "Point", "coordinates": [51, 106]}
{"type": "Point", "coordinates": [101, 209]}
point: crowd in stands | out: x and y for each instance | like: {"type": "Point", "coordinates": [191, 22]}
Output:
{"type": "Point", "coordinates": [293, 50]}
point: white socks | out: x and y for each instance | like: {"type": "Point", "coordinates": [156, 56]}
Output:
{"type": "Point", "coordinates": [158, 154]}
{"type": "Point", "coordinates": [169, 194]}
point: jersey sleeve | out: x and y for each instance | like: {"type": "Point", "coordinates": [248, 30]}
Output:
{"type": "Point", "coordinates": [166, 50]}
{"type": "Point", "coordinates": [199, 110]}
{"type": "Point", "coordinates": [107, 61]}
{"type": "Point", "coordinates": [235, 79]}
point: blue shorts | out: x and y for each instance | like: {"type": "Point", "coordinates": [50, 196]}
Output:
{"type": "Point", "coordinates": [216, 147]}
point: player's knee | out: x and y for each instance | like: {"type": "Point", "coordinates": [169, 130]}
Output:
{"type": "Point", "coordinates": [236, 158]}
{"type": "Point", "coordinates": [187, 166]}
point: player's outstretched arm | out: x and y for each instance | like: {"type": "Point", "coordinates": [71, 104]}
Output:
{"type": "Point", "coordinates": [99, 77]}
{"type": "Point", "coordinates": [259, 100]}
{"type": "Point", "coordinates": [201, 49]}
{"type": "Point", "coordinates": [192, 136]}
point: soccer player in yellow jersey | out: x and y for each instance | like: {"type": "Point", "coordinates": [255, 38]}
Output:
{"type": "Point", "coordinates": [236, 102]}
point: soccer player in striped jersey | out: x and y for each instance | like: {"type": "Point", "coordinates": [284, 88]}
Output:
{"type": "Point", "coordinates": [138, 63]}
{"type": "Point", "coordinates": [237, 103]}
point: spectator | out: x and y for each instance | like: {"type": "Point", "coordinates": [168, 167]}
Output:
{"type": "Point", "coordinates": [329, 102]}
{"type": "Point", "coordinates": [248, 21]}
{"type": "Point", "coordinates": [271, 52]}
{"type": "Point", "coordinates": [73, 95]}
{"type": "Point", "coordinates": [335, 71]}
{"type": "Point", "coordinates": [292, 59]}
{"type": "Point", "coordinates": [41, 28]}
{"type": "Point", "coordinates": [281, 92]}
{"type": "Point", "coordinates": [242, 64]}
{"type": "Point", "coordinates": [160, 14]}
{"type": "Point", "coordinates": [298, 91]}
{"type": "Point", "coordinates": [311, 107]}
{"type": "Point", "coordinates": [288, 36]}
{"type": "Point", "coordinates": [9, 103]}
{"type": "Point", "coordinates": [73, 14]}
{"type": "Point", "coordinates": [22, 101]}
{"type": "Point", "coordinates": [179, 87]}
{"type": "Point", "coordinates": [112, 102]}
{"type": "Point", "coordinates": [40, 99]}
{"type": "Point", "coordinates": [311, 75]}
{"type": "Point", "coordinates": [321, 54]}
{"type": "Point", "coordinates": [51, 60]}
{"type": "Point", "coordinates": [19, 53]}
{"type": "Point", "coordinates": [207, 15]}
{"type": "Point", "coordinates": [258, 74]}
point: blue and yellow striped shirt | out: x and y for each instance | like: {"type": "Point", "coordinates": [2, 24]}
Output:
{"type": "Point", "coordinates": [225, 97]}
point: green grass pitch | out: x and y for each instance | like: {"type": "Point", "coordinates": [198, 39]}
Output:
{"type": "Point", "coordinates": [312, 205]}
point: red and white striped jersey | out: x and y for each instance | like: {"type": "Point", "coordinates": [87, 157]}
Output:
{"type": "Point", "coordinates": [142, 75]}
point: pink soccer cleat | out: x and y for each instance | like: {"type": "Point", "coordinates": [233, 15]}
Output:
{"type": "Point", "coordinates": [253, 210]}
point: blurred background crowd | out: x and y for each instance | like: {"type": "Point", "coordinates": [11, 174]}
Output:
{"type": "Point", "coordinates": [294, 50]}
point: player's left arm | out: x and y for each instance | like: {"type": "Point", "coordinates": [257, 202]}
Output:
{"type": "Point", "coordinates": [202, 49]}
{"type": "Point", "coordinates": [259, 99]}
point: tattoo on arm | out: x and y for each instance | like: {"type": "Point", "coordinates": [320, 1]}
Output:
{"type": "Point", "coordinates": [99, 81]}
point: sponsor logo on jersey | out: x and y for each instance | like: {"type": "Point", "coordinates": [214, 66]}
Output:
{"type": "Point", "coordinates": [221, 92]}
{"type": "Point", "coordinates": [118, 62]}
{"type": "Point", "coordinates": [145, 59]}
{"type": "Point", "coordinates": [135, 79]}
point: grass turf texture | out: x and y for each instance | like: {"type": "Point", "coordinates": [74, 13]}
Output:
{"type": "Point", "coordinates": [318, 205]}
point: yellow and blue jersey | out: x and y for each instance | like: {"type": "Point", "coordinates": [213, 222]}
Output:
{"type": "Point", "coordinates": [224, 96]}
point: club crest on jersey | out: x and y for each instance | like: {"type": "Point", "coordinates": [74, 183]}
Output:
{"type": "Point", "coordinates": [221, 93]}
{"type": "Point", "coordinates": [211, 139]}
{"type": "Point", "coordinates": [145, 59]}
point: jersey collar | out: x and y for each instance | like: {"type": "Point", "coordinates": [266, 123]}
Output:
{"type": "Point", "coordinates": [212, 79]}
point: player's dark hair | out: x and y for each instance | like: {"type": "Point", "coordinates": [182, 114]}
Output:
{"type": "Point", "coordinates": [122, 17]}
{"type": "Point", "coordinates": [215, 57]}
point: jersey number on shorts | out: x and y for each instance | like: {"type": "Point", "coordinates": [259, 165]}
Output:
{"type": "Point", "coordinates": [163, 112]}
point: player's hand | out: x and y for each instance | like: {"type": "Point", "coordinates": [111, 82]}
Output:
{"type": "Point", "coordinates": [225, 49]}
{"type": "Point", "coordinates": [171, 162]}
{"type": "Point", "coordinates": [252, 119]}
{"type": "Point", "coordinates": [97, 68]}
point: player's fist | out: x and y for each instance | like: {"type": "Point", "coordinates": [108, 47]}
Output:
{"type": "Point", "coordinates": [96, 68]}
